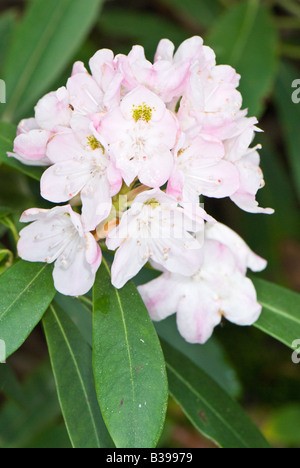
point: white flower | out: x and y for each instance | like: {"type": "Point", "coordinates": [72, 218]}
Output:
{"type": "Point", "coordinates": [219, 287]}
{"type": "Point", "coordinates": [57, 235]}
{"type": "Point", "coordinates": [155, 228]}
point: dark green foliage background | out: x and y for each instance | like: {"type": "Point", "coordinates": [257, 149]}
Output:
{"type": "Point", "coordinates": [261, 39]}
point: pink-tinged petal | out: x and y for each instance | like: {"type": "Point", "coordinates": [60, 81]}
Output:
{"type": "Point", "coordinates": [168, 80]}
{"type": "Point", "coordinates": [97, 202]}
{"type": "Point", "coordinates": [198, 313]}
{"type": "Point", "coordinates": [93, 252]}
{"type": "Point", "coordinates": [57, 236]}
{"type": "Point", "coordinates": [115, 179]}
{"type": "Point", "coordinates": [247, 202]}
{"type": "Point", "coordinates": [27, 125]}
{"type": "Point", "coordinates": [240, 306]}
{"type": "Point", "coordinates": [177, 256]}
{"type": "Point", "coordinates": [251, 180]}
{"type": "Point", "coordinates": [219, 262]}
{"type": "Point", "coordinates": [64, 147]}
{"type": "Point", "coordinates": [190, 49]}
{"type": "Point", "coordinates": [33, 214]}
{"type": "Point", "coordinates": [76, 278]}
{"type": "Point", "coordinates": [41, 241]}
{"type": "Point", "coordinates": [33, 247]}
{"type": "Point", "coordinates": [175, 184]}
{"type": "Point", "coordinates": [127, 263]}
{"type": "Point", "coordinates": [141, 96]}
{"type": "Point", "coordinates": [156, 194]}
{"type": "Point", "coordinates": [102, 67]}
{"type": "Point", "coordinates": [165, 51]}
{"type": "Point", "coordinates": [76, 220]}
{"type": "Point", "coordinates": [204, 147]}
{"type": "Point", "coordinates": [40, 162]}
{"type": "Point", "coordinates": [111, 98]}
{"type": "Point", "coordinates": [123, 231]}
{"type": "Point", "coordinates": [64, 180]}
{"type": "Point", "coordinates": [237, 146]}
{"type": "Point", "coordinates": [161, 296]}
{"type": "Point", "coordinates": [134, 67]}
{"type": "Point", "coordinates": [226, 74]}
{"type": "Point", "coordinates": [128, 168]}
{"type": "Point", "coordinates": [32, 145]}
{"type": "Point", "coordinates": [78, 67]}
{"type": "Point", "coordinates": [53, 110]}
{"type": "Point", "coordinates": [244, 255]}
{"type": "Point", "coordinates": [113, 124]}
{"type": "Point", "coordinates": [156, 171]}
{"type": "Point", "coordinates": [82, 127]}
{"type": "Point", "coordinates": [85, 95]}
{"type": "Point", "coordinates": [217, 180]}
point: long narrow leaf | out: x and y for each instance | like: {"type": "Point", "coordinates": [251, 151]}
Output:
{"type": "Point", "coordinates": [20, 426]}
{"type": "Point", "coordinates": [209, 407]}
{"type": "Point", "coordinates": [280, 317]}
{"type": "Point", "coordinates": [7, 23]}
{"type": "Point", "coordinates": [26, 290]}
{"type": "Point", "coordinates": [129, 365]}
{"type": "Point", "coordinates": [47, 38]}
{"type": "Point", "coordinates": [10, 386]}
{"type": "Point", "coordinates": [209, 357]}
{"type": "Point", "coordinates": [71, 359]}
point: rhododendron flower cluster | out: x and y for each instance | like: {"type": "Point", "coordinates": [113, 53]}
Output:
{"type": "Point", "coordinates": [131, 146]}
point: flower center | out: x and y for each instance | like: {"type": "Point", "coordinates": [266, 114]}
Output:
{"type": "Point", "coordinates": [94, 143]}
{"type": "Point", "coordinates": [142, 112]}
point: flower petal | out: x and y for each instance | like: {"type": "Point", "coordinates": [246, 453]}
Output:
{"type": "Point", "coordinates": [75, 279]}
{"type": "Point", "coordinates": [161, 296]}
{"type": "Point", "coordinates": [53, 110]}
{"type": "Point", "coordinates": [97, 202]}
{"type": "Point", "coordinates": [31, 146]}
{"type": "Point", "coordinates": [127, 263]}
{"type": "Point", "coordinates": [197, 314]}
{"type": "Point", "coordinates": [240, 305]}
{"type": "Point", "coordinates": [64, 180]}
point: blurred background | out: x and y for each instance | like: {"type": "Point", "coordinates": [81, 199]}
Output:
{"type": "Point", "coordinates": [261, 39]}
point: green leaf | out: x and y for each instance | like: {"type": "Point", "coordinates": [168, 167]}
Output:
{"type": "Point", "coordinates": [7, 22]}
{"type": "Point", "coordinates": [289, 115]}
{"type": "Point", "coordinates": [10, 386]}
{"type": "Point", "coordinates": [283, 425]}
{"type": "Point", "coordinates": [54, 437]}
{"type": "Point", "coordinates": [71, 359]}
{"type": "Point", "coordinates": [8, 133]}
{"type": "Point", "coordinates": [26, 290]}
{"type": "Point", "coordinates": [19, 426]}
{"type": "Point", "coordinates": [280, 317]}
{"type": "Point", "coordinates": [134, 26]}
{"type": "Point", "coordinates": [6, 259]}
{"type": "Point", "coordinates": [81, 315]}
{"type": "Point", "coordinates": [245, 37]}
{"type": "Point", "coordinates": [209, 407]}
{"type": "Point", "coordinates": [47, 38]}
{"type": "Point", "coordinates": [4, 212]}
{"type": "Point", "coordinates": [209, 357]}
{"type": "Point", "coordinates": [129, 366]}
{"type": "Point", "coordinates": [195, 13]}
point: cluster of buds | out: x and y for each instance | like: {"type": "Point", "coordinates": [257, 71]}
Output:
{"type": "Point", "coordinates": [132, 146]}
